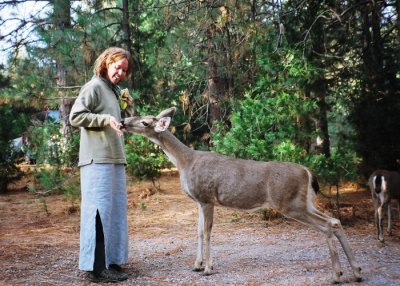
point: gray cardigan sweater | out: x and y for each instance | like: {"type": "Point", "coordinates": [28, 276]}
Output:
{"type": "Point", "coordinates": [91, 112]}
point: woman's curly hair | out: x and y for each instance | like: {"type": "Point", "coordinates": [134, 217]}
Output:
{"type": "Point", "coordinates": [109, 56]}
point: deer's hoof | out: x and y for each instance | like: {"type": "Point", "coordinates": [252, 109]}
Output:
{"type": "Point", "coordinates": [359, 279]}
{"type": "Point", "coordinates": [208, 271]}
{"type": "Point", "coordinates": [198, 269]}
{"type": "Point", "coordinates": [336, 277]}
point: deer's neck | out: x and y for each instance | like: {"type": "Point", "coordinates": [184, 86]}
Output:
{"type": "Point", "coordinates": [177, 152]}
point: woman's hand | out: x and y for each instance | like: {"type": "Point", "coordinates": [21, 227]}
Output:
{"type": "Point", "coordinates": [116, 125]}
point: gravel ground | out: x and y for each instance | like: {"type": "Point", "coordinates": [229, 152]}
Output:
{"type": "Point", "coordinates": [39, 241]}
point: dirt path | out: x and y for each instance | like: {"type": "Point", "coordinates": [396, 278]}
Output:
{"type": "Point", "coordinates": [39, 241]}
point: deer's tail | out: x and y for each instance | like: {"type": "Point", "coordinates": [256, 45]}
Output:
{"type": "Point", "coordinates": [314, 183]}
{"type": "Point", "coordinates": [378, 182]}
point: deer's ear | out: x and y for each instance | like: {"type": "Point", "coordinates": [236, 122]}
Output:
{"type": "Point", "coordinates": [167, 113]}
{"type": "Point", "coordinates": [162, 124]}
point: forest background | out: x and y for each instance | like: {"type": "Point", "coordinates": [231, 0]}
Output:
{"type": "Point", "coordinates": [313, 82]}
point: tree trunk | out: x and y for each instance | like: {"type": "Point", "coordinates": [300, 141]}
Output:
{"type": "Point", "coordinates": [65, 104]}
{"type": "Point", "coordinates": [372, 48]}
{"type": "Point", "coordinates": [398, 18]}
{"type": "Point", "coordinates": [215, 85]}
{"type": "Point", "coordinates": [127, 35]}
{"type": "Point", "coordinates": [320, 89]}
{"type": "Point", "coordinates": [62, 22]}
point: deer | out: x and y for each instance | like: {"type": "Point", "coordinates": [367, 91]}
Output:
{"type": "Point", "coordinates": [211, 179]}
{"type": "Point", "coordinates": [384, 186]}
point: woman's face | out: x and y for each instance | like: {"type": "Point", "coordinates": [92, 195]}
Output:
{"type": "Point", "coordinates": [117, 71]}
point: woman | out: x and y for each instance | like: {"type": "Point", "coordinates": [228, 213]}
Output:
{"type": "Point", "coordinates": [104, 230]}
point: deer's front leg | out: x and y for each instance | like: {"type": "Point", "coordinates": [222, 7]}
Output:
{"type": "Point", "coordinates": [200, 237]}
{"type": "Point", "coordinates": [208, 213]}
{"type": "Point", "coordinates": [205, 222]}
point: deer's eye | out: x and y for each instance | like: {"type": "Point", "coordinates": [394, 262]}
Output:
{"type": "Point", "coordinates": [145, 124]}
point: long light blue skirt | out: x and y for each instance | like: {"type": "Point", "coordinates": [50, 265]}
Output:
{"type": "Point", "coordinates": [103, 188]}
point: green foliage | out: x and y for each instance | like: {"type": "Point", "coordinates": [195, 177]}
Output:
{"type": "Point", "coordinates": [289, 152]}
{"type": "Point", "coordinates": [70, 149]}
{"type": "Point", "coordinates": [44, 142]}
{"type": "Point", "coordinates": [265, 128]}
{"type": "Point", "coordinates": [9, 171]}
{"type": "Point", "coordinates": [10, 128]}
{"type": "Point", "coordinates": [145, 159]}
{"type": "Point", "coordinates": [55, 180]}
{"type": "Point", "coordinates": [143, 206]}
{"type": "Point", "coordinates": [4, 79]}
{"type": "Point", "coordinates": [30, 84]}
{"type": "Point", "coordinates": [49, 180]}
{"type": "Point", "coordinates": [48, 146]}
{"type": "Point", "coordinates": [269, 124]}
{"type": "Point", "coordinates": [71, 187]}
{"type": "Point", "coordinates": [341, 166]}
{"type": "Point", "coordinates": [53, 154]}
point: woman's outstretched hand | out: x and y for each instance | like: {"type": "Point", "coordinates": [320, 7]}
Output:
{"type": "Point", "coordinates": [116, 125]}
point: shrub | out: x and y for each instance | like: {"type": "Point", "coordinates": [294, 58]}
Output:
{"type": "Point", "coordinates": [9, 159]}
{"type": "Point", "coordinates": [53, 154]}
{"type": "Point", "coordinates": [145, 159]}
{"type": "Point", "coordinates": [11, 127]}
{"type": "Point", "coordinates": [53, 180]}
{"type": "Point", "coordinates": [266, 128]}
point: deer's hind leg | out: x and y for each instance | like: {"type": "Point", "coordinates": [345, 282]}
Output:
{"type": "Point", "coordinates": [389, 215]}
{"type": "Point", "coordinates": [379, 214]}
{"type": "Point", "coordinates": [331, 226]}
{"type": "Point", "coordinates": [398, 207]}
{"type": "Point", "coordinates": [341, 236]}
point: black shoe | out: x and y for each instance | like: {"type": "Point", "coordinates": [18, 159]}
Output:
{"type": "Point", "coordinates": [116, 267]}
{"type": "Point", "coordinates": [107, 276]}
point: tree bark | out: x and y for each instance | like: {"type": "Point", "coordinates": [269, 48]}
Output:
{"type": "Point", "coordinates": [372, 48]}
{"type": "Point", "coordinates": [127, 35]}
{"type": "Point", "coordinates": [215, 88]}
{"type": "Point", "coordinates": [320, 89]}
{"type": "Point", "coordinates": [62, 21]}
{"type": "Point", "coordinates": [398, 18]}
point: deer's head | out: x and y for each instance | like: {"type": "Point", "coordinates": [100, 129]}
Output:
{"type": "Point", "coordinates": [149, 125]}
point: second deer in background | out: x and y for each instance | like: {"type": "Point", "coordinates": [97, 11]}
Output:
{"type": "Point", "coordinates": [385, 186]}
